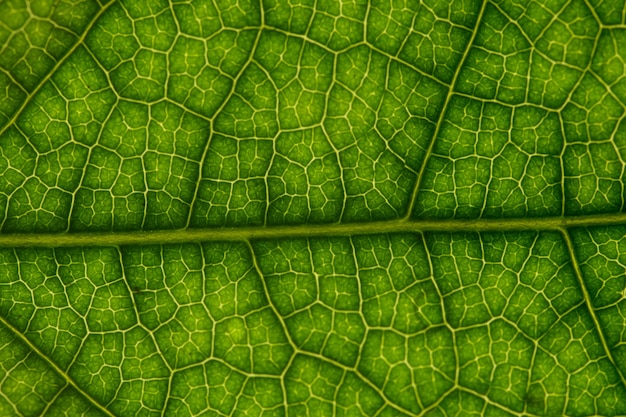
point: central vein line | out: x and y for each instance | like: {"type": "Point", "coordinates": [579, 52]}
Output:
{"type": "Point", "coordinates": [306, 230]}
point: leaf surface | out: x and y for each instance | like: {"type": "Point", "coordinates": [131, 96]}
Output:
{"type": "Point", "coordinates": [312, 208]}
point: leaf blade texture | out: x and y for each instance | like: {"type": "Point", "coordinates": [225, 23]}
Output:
{"type": "Point", "coordinates": [294, 208]}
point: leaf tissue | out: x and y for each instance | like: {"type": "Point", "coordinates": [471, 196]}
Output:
{"type": "Point", "coordinates": [312, 208]}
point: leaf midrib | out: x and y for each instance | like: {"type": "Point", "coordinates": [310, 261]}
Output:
{"type": "Point", "coordinates": [157, 237]}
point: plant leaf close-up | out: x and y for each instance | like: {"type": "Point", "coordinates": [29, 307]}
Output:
{"type": "Point", "coordinates": [312, 208]}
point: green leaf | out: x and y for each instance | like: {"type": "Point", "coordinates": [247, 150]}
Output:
{"type": "Point", "coordinates": [312, 208]}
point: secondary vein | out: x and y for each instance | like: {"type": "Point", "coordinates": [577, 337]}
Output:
{"type": "Point", "coordinates": [420, 176]}
{"type": "Point", "coordinates": [69, 381]}
{"type": "Point", "coordinates": [79, 41]}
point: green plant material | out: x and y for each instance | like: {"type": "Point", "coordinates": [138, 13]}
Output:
{"type": "Point", "coordinates": [312, 208]}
